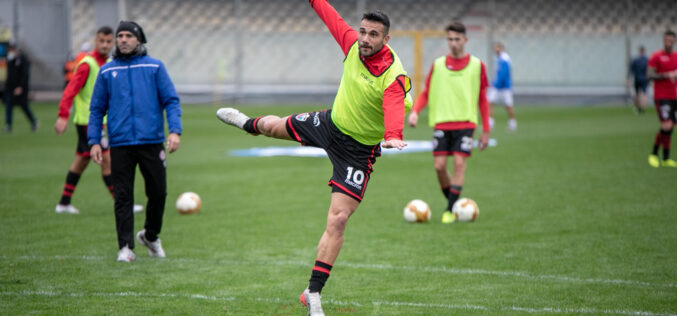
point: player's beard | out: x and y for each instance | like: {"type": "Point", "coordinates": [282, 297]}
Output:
{"type": "Point", "coordinates": [139, 50]}
{"type": "Point", "coordinates": [372, 50]}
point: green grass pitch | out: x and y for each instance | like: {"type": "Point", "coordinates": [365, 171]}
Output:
{"type": "Point", "coordinates": [573, 222]}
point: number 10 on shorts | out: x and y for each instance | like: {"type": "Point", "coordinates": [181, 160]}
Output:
{"type": "Point", "coordinates": [356, 177]}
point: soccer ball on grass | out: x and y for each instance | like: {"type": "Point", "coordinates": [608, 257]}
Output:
{"type": "Point", "coordinates": [417, 211]}
{"type": "Point", "coordinates": [465, 210]}
{"type": "Point", "coordinates": [188, 203]}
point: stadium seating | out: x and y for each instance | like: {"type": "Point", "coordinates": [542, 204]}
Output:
{"type": "Point", "coordinates": [197, 39]}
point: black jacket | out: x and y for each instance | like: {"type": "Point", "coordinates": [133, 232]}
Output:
{"type": "Point", "coordinates": [18, 70]}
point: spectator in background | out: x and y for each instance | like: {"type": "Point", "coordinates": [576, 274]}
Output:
{"type": "Point", "coordinates": [16, 86]}
{"type": "Point", "coordinates": [637, 71]}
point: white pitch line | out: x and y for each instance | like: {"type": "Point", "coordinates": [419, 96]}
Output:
{"type": "Point", "coordinates": [530, 310]}
{"type": "Point", "coordinates": [446, 270]}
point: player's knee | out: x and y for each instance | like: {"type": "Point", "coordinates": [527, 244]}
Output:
{"type": "Point", "coordinates": [667, 125]}
{"type": "Point", "coordinates": [440, 166]}
{"type": "Point", "coordinates": [337, 221]}
{"type": "Point", "coordinates": [459, 166]}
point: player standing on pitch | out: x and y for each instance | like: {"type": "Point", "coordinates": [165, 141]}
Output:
{"type": "Point", "coordinates": [455, 89]}
{"type": "Point", "coordinates": [663, 71]}
{"type": "Point", "coordinates": [370, 106]}
{"type": "Point", "coordinates": [78, 93]}
{"type": "Point", "coordinates": [135, 91]}
{"type": "Point", "coordinates": [501, 88]}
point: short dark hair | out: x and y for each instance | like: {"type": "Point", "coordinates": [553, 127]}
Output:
{"type": "Point", "coordinates": [378, 16]}
{"type": "Point", "coordinates": [105, 30]}
{"type": "Point", "coordinates": [457, 27]}
{"type": "Point", "coordinates": [669, 33]}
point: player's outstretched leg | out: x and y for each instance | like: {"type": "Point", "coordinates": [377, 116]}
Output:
{"type": "Point", "coordinates": [270, 125]}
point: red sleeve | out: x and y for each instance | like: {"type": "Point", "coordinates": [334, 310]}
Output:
{"type": "Point", "coordinates": [344, 35]}
{"type": "Point", "coordinates": [393, 109]}
{"type": "Point", "coordinates": [653, 61]}
{"type": "Point", "coordinates": [422, 99]}
{"type": "Point", "coordinates": [77, 82]}
{"type": "Point", "coordinates": [483, 103]}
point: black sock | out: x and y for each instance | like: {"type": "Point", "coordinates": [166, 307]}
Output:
{"type": "Point", "coordinates": [667, 136]}
{"type": "Point", "coordinates": [72, 179]}
{"type": "Point", "coordinates": [250, 126]}
{"type": "Point", "coordinates": [445, 192]}
{"type": "Point", "coordinates": [108, 180]}
{"type": "Point", "coordinates": [319, 276]}
{"type": "Point", "coordinates": [454, 192]}
{"type": "Point", "coordinates": [657, 142]}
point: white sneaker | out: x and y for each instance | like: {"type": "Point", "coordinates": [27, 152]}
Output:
{"type": "Point", "coordinates": [232, 117]}
{"type": "Point", "coordinates": [69, 209]}
{"type": "Point", "coordinates": [313, 301]}
{"type": "Point", "coordinates": [512, 125]}
{"type": "Point", "coordinates": [126, 255]}
{"type": "Point", "coordinates": [138, 208]}
{"type": "Point", "coordinates": [154, 247]}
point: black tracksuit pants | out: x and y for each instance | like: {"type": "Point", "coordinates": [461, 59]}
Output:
{"type": "Point", "coordinates": [151, 162]}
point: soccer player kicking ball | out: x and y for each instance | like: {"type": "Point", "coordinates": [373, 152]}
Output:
{"type": "Point", "coordinates": [370, 106]}
{"type": "Point", "coordinates": [663, 71]}
{"type": "Point", "coordinates": [455, 89]}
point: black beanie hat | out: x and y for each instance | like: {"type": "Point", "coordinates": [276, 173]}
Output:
{"type": "Point", "coordinates": [132, 27]}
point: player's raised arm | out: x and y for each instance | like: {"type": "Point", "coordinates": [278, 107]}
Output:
{"type": "Point", "coordinates": [344, 35]}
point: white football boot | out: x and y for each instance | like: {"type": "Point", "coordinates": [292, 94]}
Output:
{"type": "Point", "coordinates": [138, 208]}
{"type": "Point", "coordinates": [68, 209]}
{"type": "Point", "coordinates": [154, 247]}
{"type": "Point", "coordinates": [232, 116]}
{"type": "Point", "coordinates": [126, 255]}
{"type": "Point", "coordinates": [313, 301]}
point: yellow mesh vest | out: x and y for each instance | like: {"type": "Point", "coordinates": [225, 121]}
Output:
{"type": "Point", "coordinates": [358, 106]}
{"type": "Point", "coordinates": [82, 99]}
{"type": "Point", "coordinates": [453, 95]}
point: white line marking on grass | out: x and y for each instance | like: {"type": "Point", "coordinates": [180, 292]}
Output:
{"type": "Point", "coordinates": [530, 310]}
{"type": "Point", "coordinates": [504, 273]}
{"type": "Point", "coordinates": [118, 294]}
{"type": "Point", "coordinates": [430, 269]}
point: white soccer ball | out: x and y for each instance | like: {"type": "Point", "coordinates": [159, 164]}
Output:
{"type": "Point", "coordinates": [465, 210]}
{"type": "Point", "coordinates": [417, 211]}
{"type": "Point", "coordinates": [188, 203]}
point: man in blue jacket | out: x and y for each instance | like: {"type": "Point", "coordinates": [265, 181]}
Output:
{"type": "Point", "coordinates": [134, 90]}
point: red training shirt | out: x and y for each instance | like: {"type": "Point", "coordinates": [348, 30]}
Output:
{"type": "Point", "coordinates": [664, 62]}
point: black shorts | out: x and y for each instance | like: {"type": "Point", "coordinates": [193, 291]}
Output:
{"type": "Point", "coordinates": [456, 142]}
{"type": "Point", "coordinates": [353, 162]}
{"type": "Point", "coordinates": [83, 148]}
{"type": "Point", "coordinates": [640, 86]}
{"type": "Point", "coordinates": [667, 110]}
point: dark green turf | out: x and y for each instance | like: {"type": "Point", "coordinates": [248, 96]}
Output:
{"type": "Point", "coordinates": [573, 221]}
